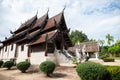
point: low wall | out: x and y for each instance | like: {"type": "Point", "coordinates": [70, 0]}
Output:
{"type": "Point", "coordinates": [37, 57]}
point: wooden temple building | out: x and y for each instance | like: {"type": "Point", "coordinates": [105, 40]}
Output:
{"type": "Point", "coordinates": [38, 40]}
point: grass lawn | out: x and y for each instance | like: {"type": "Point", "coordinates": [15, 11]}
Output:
{"type": "Point", "coordinates": [117, 58]}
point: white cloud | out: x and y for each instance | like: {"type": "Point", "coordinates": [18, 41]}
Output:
{"type": "Point", "coordinates": [95, 18]}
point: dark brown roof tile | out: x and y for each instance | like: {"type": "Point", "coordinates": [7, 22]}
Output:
{"type": "Point", "coordinates": [51, 22]}
{"type": "Point", "coordinates": [43, 38]}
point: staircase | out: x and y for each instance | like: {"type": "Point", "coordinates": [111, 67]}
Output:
{"type": "Point", "coordinates": [65, 52]}
{"type": "Point", "coordinates": [63, 58]}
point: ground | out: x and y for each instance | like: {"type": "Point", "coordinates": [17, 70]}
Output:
{"type": "Point", "coordinates": [60, 73]}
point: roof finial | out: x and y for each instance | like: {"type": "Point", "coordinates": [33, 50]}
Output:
{"type": "Point", "coordinates": [11, 31]}
{"type": "Point", "coordinates": [48, 10]}
{"type": "Point", "coordinates": [64, 8]}
{"type": "Point", "coordinates": [37, 12]}
{"type": "Point", "coordinates": [5, 38]}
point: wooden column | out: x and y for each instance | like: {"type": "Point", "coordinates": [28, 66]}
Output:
{"type": "Point", "coordinates": [46, 49]}
{"type": "Point", "coordinates": [46, 45]}
{"type": "Point", "coordinates": [62, 40]}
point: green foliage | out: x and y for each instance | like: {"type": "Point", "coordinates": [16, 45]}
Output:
{"type": "Point", "coordinates": [1, 63]}
{"type": "Point", "coordinates": [92, 71]}
{"type": "Point", "coordinates": [109, 39]}
{"type": "Point", "coordinates": [47, 67]}
{"type": "Point", "coordinates": [102, 55]}
{"type": "Point", "coordinates": [101, 42]}
{"type": "Point", "coordinates": [92, 40]}
{"type": "Point", "coordinates": [74, 60]}
{"type": "Point", "coordinates": [118, 42]}
{"type": "Point", "coordinates": [23, 66]}
{"type": "Point", "coordinates": [104, 49]}
{"type": "Point", "coordinates": [108, 59]}
{"type": "Point", "coordinates": [114, 72]}
{"type": "Point", "coordinates": [8, 64]}
{"type": "Point", "coordinates": [114, 49]}
{"type": "Point", "coordinates": [78, 36]}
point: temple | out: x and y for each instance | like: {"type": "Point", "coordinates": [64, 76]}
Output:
{"type": "Point", "coordinates": [38, 40]}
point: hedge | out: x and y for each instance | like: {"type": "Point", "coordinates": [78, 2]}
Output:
{"type": "Point", "coordinates": [92, 71]}
{"type": "Point", "coordinates": [8, 64]}
{"type": "Point", "coordinates": [1, 63]}
{"type": "Point", "coordinates": [47, 67]}
{"type": "Point", "coordinates": [114, 72]}
{"type": "Point", "coordinates": [108, 59]}
{"type": "Point", "coordinates": [23, 66]}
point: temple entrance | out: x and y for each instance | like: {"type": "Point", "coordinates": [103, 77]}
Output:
{"type": "Point", "coordinates": [58, 45]}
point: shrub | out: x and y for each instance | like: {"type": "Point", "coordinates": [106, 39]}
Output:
{"type": "Point", "coordinates": [109, 59]}
{"type": "Point", "coordinates": [114, 72]}
{"type": "Point", "coordinates": [103, 55]}
{"type": "Point", "coordinates": [74, 60]}
{"type": "Point", "coordinates": [92, 71]}
{"type": "Point", "coordinates": [87, 58]}
{"type": "Point", "coordinates": [1, 63]}
{"type": "Point", "coordinates": [47, 67]}
{"type": "Point", "coordinates": [8, 64]}
{"type": "Point", "coordinates": [23, 66]}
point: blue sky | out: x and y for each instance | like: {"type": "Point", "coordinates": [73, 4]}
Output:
{"type": "Point", "coordinates": [96, 18]}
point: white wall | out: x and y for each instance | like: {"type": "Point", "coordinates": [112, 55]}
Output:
{"type": "Point", "coordinates": [62, 59]}
{"type": "Point", "coordinates": [37, 57]}
{"type": "Point", "coordinates": [1, 53]}
{"type": "Point", "coordinates": [11, 52]}
{"type": "Point", "coordinates": [22, 55]}
{"type": "Point", "coordinates": [51, 57]}
{"type": "Point", "coordinates": [6, 53]}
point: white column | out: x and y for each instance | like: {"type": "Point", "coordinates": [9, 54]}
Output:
{"type": "Point", "coordinates": [96, 54]}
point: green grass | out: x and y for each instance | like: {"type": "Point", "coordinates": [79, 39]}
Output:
{"type": "Point", "coordinates": [117, 58]}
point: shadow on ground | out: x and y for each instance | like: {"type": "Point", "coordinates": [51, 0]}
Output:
{"type": "Point", "coordinates": [58, 75]}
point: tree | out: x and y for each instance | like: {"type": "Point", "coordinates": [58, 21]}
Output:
{"type": "Point", "coordinates": [101, 42]}
{"type": "Point", "coordinates": [93, 40]}
{"type": "Point", "coordinates": [114, 49]}
{"type": "Point", "coordinates": [118, 42]}
{"type": "Point", "coordinates": [109, 39]}
{"type": "Point", "coordinates": [78, 36]}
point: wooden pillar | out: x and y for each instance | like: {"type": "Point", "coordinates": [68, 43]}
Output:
{"type": "Point", "coordinates": [28, 54]}
{"type": "Point", "coordinates": [46, 47]}
{"type": "Point", "coordinates": [46, 50]}
{"type": "Point", "coordinates": [29, 51]}
{"type": "Point", "coordinates": [62, 45]}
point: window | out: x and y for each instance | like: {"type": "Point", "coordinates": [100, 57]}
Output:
{"type": "Point", "coordinates": [22, 47]}
{"type": "Point", "coordinates": [11, 47]}
{"type": "Point", "coordinates": [5, 48]}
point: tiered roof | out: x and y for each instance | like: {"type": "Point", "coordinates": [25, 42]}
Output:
{"type": "Point", "coordinates": [27, 24]}
{"type": "Point", "coordinates": [43, 37]}
{"type": "Point", "coordinates": [34, 30]}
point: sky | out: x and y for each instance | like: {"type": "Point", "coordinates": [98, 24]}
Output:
{"type": "Point", "coordinates": [95, 18]}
